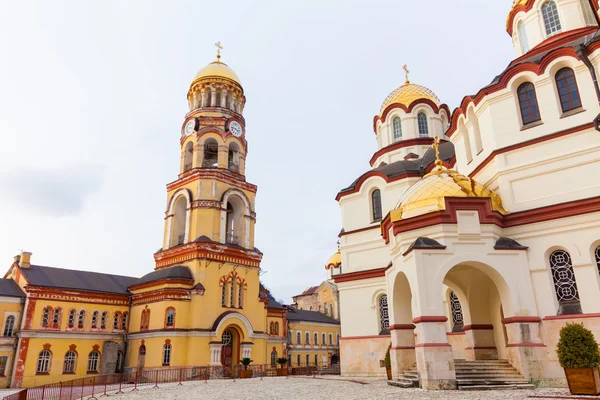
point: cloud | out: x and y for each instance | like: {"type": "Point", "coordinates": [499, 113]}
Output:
{"type": "Point", "coordinates": [57, 192]}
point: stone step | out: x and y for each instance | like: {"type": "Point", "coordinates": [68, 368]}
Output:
{"type": "Point", "coordinates": [497, 387]}
{"type": "Point", "coordinates": [400, 384]}
{"type": "Point", "coordinates": [490, 377]}
{"type": "Point", "coordinates": [471, 382]}
{"type": "Point", "coordinates": [411, 375]}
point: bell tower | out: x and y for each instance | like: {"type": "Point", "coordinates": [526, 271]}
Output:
{"type": "Point", "coordinates": [210, 203]}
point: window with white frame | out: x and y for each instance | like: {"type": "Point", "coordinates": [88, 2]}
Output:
{"type": "Point", "coordinates": [93, 360]}
{"type": "Point", "coordinates": [551, 18]}
{"type": "Point", "coordinates": [307, 337]}
{"type": "Point", "coordinates": [9, 325]}
{"type": "Point", "coordinates": [423, 126]}
{"type": "Point", "coordinates": [43, 362]}
{"type": "Point", "coordinates": [523, 37]}
{"type": "Point", "coordinates": [167, 355]}
{"type": "Point", "coordinates": [69, 363]}
{"type": "Point", "coordinates": [397, 125]}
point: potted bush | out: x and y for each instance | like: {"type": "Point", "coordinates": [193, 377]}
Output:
{"type": "Point", "coordinates": [282, 371]}
{"type": "Point", "coordinates": [246, 373]}
{"type": "Point", "coordinates": [387, 361]}
{"type": "Point", "coordinates": [578, 354]}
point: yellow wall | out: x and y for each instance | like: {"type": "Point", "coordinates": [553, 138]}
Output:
{"type": "Point", "coordinates": [9, 306]}
{"type": "Point", "coordinates": [311, 350]}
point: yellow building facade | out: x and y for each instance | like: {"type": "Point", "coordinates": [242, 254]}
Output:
{"type": "Point", "coordinates": [313, 339]}
{"type": "Point", "coordinates": [202, 305]}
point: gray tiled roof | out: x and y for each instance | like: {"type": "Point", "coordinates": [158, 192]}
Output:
{"type": "Point", "coordinates": [9, 288]}
{"type": "Point", "coordinates": [38, 275]}
{"type": "Point", "coordinates": [177, 272]}
{"type": "Point", "coordinates": [309, 316]}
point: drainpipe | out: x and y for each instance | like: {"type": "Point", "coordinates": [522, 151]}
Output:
{"type": "Point", "coordinates": [581, 52]}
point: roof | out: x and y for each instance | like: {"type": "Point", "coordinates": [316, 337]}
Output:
{"type": "Point", "coordinates": [177, 272]}
{"type": "Point", "coordinates": [217, 69]}
{"type": "Point", "coordinates": [308, 291]}
{"type": "Point", "coordinates": [309, 316]}
{"type": "Point", "coordinates": [87, 281]}
{"type": "Point", "coordinates": [274, 304]}
{"type": "Point", "coordinates": [409, 93]}
{"type": "Point", "coordinates": [9, 288]}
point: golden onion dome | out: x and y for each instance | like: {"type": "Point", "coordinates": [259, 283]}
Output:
{"type": "Point", "coordinates": [217, 69]}
{"type": "Point", "coordinates": [409, 93]}
{"type": "Point", "coordinates": [334, 261]}
{"type": "Point", "coordinates": [428, 195]}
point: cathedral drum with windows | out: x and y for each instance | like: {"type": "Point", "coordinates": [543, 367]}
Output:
{"type": "Point", "coordinates": [484, 246]}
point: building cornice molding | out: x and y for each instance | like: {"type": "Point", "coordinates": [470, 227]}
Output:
{"type": "Point", "coordinates": [77, 296]}
{"type": "Point", "coordinates": [211, 251]}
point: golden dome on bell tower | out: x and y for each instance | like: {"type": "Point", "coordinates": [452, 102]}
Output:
{"type": "Point", "coordinates": [217, 69]}
{"type": "Point", "coordinates": [409, 93]}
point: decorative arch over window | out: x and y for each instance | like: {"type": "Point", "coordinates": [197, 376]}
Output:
{"type": "Point", "coordinates": [167, 353]}
{"type": "Point", "coordinates": [232, 294]}
{"type": "Point", "coordinates": [116, 321]}
{"type": "Point", "coordinates": [423, 126]}
{"type": "Point", "coordinates": [224, 294]}
{"type": "Point", "coordinates": [124, 321]}
{"type": "Point", "coordinates": [397, 124]}
{"type": "Point", "coordinates": [530, 112]}
{"type": "Point", "coordinates": [384, 316]}
{"type": "Point", "coordinates": [43, 362]}
{"type": "Point", "coordinates": [188, 156]}
{"type": "Point", "coordinates": [568, 91]}
{"type": "Point", "coordinates": [95, 319]}
{"type": "Point", "coordinates": [179, 221]}
{"type": "Point", "coordinates": [56, 317]}
{"type": "Point", "coordinates": [9, 324]}
{"type": "Point", "coordinates": [376, 205]}
{"type": "Point", "coordinates": [565, 284]}
{"type": "Point", "coordinates": [233, 157]}
{"type": "Point", "coordinates": [103, 320]}
{"type": "Point", "coordinates": [211, 153]}
{"type": "Point", "coordinates": [46, 316]}
{"type": "Point", "coordinates": [232, 289]}
{"type": "Point", "coordinates": [170, 317]}
{"type": "Point", "coordinates": [524, 41]}
{"type": "Point", "coordinates": [457, 315]}
{"type": "Point", "coordinates": [70, 362]}
{"type": "Point", "coordinates": [93, 361]}
{"type": "Point", "coordinates": [551, 18]}
{"type": "Point", "coordinates": [71, 322]}
{"type": "Point", "coordinates": [81, 319]}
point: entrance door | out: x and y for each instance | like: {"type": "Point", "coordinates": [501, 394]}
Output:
{"type": "Point", "coordinates": [227, 352]}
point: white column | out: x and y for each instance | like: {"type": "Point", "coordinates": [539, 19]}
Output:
{"type": "Point", "coordinates": [215, 353]}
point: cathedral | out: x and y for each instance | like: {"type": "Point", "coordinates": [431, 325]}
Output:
{"type": "Point", "coordinates": [475, 236]}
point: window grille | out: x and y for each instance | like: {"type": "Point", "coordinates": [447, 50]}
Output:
{"type": "Point", "coordinates": [227, 337]}
{"type": "Point", "coordinates": [307, 360]}
{"type": "Point", "coordinates": [528, 104]}
{"type": "Point", "coordinates": [116, 320]}
{"type": "Point", "coordinates": [567, 89]}
{"type": "Point", "coordinates": [124, 321]}
{"type": "Point", "coordinates": [323, 342]}
{"type": "Point", "coordinates": [397, 123]}
{"type": "Point", "coordinates": [93, 359]}
{"type": "Point", "coordinates": [384, 317]}
{"type": "Point", "coordinates": [72, 318]}
{"type": "Point", "coordinates": [316, 360]}
{"type": "Point", "coordinates": [69, 364]}
{"type": "Point", "coordinates": [298, 359]}
{"type": "Point", "coordinates": [94, 319]}
{"type": "Point", "coordinates": [43, 364]}
{"type": "Point", "coordinates": [81, 319]}
{"type": "Point", "coordinates": [103, 320]}
{"type": "Point", "coordinates": [330, 339]}
{"type": "Point", "coordinates": [423, 127]}
{"type": "Point", "coordinates": [9, 325]}
{"type": "Point", "coordinates": [46, 317]}
{"type": "Point", "coordinates": [564, 277]}
{"type": "Point", "coordinates": [56, 317]}
{"type": "Point", "coordinates": [457, 315]}
{"type": "Point", "coordinates": [551, 18]}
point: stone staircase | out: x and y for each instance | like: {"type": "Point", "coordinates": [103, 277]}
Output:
{"type": "Point", "coordinates": [474, 375]}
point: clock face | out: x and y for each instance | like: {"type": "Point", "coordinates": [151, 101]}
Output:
{"type": "Point", "coordinates": [235, 128]}
{"type": "Point", "coordinates": [190, 126]}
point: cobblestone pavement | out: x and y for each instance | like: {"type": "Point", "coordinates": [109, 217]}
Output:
{"type": "Point", "coordinates": [319, 388]}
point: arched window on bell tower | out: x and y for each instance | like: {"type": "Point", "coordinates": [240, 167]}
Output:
{"type": "Point", "coordinates": [188, 156]}
{"type": "Point", "coordinates": [178, 222]}
{"type": "Point", "coordinates": [211, 154]}
{"type": "Point", "coordinates": [233, 226]}
{"type": "Point", "coordinates": [234, 158]}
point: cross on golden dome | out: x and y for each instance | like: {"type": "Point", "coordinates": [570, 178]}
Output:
{"type": "Point", "coordinates": [405, 68]}
{"type": "Point", "coordinates": [219, 48]}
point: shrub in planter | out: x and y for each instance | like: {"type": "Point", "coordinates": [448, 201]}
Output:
{"type": "Point", "coordinates": [578, 354]}
{"type": "Point", "coordinates": [246, 373]}
{"type": "Point", "coordinates": [387, 361]}
{"type": "Point", "coordinates": [282, 371]}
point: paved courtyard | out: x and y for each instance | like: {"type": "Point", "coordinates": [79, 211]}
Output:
{"type": "Point", "coordinates": [320, 388]}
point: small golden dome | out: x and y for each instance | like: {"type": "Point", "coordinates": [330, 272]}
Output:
{"type": "Point", "coordinates": [334, 261]}
{"type": "Point", "coordinates": [217, 69]}
{"type": "Point", "coordinates": [516, 3]}
{"type": "Point", "coordinates": [428, 194]}
{"type": "Point", "coordinates": [407, 94]}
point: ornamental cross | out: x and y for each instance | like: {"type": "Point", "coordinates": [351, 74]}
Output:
{"type": "Point", "coordinates": [219, 48]}
{"type": "Point", "coordinates": [405, 68]}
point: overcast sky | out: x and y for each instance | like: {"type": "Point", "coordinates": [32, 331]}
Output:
{"type": "Point", "coordinates": [93, 95]}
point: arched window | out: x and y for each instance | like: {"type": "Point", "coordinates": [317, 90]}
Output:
{"type": "Point", "coordinates": [95, 319]}
{"type": "Point", "coordinates": [145, 319]}
{"type": "Point", "coordinates": [93, 360]}
{"type": "Point", "coordinates": [234, 224]}
{"type": "Point", "coordinates": [567, 89]}
{"type": "Point", "coordinates": [457, 315]}
{"type": "Point", "coordinates": [307, 360]}
{"type": "Point", "coordinates": [124, 321]}
{"type": "Point", "coordinates": [298, 338]}
{"type": "Point", "coordinates": [241, 296]}
{"type": "Point", "coordinates": [179, 221]}
{"type": "Point", "coordinates": [551, 18]}
{"type": "Point", "coordinates": [276, 328]}
{"type": "Point", "coordinates": [384, 317]}
{"type": "Point", "coordinates": [528, 104]}
{"type": "Point", "coordinates": [81, 319]}
{"type": "Point", "coordinates": [211, 154]}
{"type": "Point", "coordinates": [232, 294]}
{"type": "Point", "coordinates": [597, 261]}
{"type": "Point", "coordinates": [9, 324]}
{"type": "Point", "coordinates": [116, 320]}
{"type": "Point", "coordinates": [142, 350]}
{"type": "Point", "coordinates": [588, 13]}
{"type": "Point", "coordinates": [118, 364]}
{"type": "Point", "coordinates": [233, 158]}
{"type": "Point", "coordinates": [56, 317]}
{"type": "Point", "coordinates": [325, 308]}
{"type": "Point", "coordinates": [3, 363]}
{"type": "Point", "coordinates": [564, 280]}
{"type": "Point", "coordinates": [523, 37]}
{"type": "Point", "coordinates": [46, 317]}
{"type": "Point", "coordinates": [43, 362]}
{"type": "Point", "coordinates": [103, 320]}
{"type": "Point", "coordinates": [166, 355]}
{"type": "Point", "coordinates": [72, 318]}
{"type": "Point", "coordinates": [208, 94]}
{"type": "Point", "coordinates": [397, 123]}
{"type": "Point", "coordinates": [331, 310]}
{"type": "Point", "coordinates": [338, 339]}
{"type": "Point", "coordinates": [218, 98]}
{"type": "Point", "coordinates": [298, 359]}
{"type": "Point", "coordinates": [188, 156]}
{"type": "Point", "coordinates": [376, 205]}
{"type": "Point", "coordinates": [69, 364]}
{"type": "Point", "coordinates": [224, 295]}
{"type": "Point", "coordinates": [423, 127]}
{"type": "Point", "coordinates": [331, 339]}
{"type": "Point", "coordinates": [170, 318]}
{"type": "Point", "coordinates": [273, 359]}
{"type": "Point", "coordinates": [316, 338]}
{"type": "Point", "coordinates": [307, 338]}
{"type": "Point", "coordinates": [323, 341]}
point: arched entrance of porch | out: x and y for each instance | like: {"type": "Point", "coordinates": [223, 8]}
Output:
{"type": "Point", "coordinates": [402, 329]}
